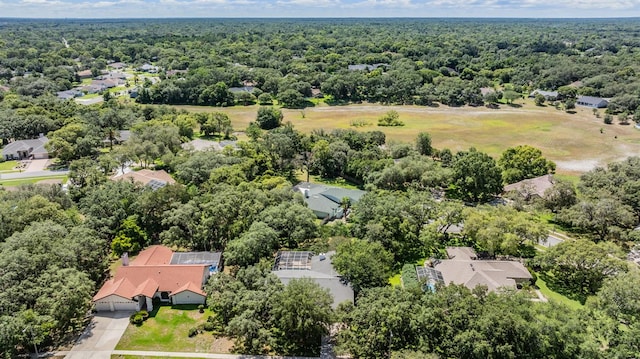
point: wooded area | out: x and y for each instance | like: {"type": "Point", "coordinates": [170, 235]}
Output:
{"type": "Point", "coordinates": [56, 245]}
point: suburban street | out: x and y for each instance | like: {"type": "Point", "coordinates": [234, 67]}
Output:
{"type": "Point", "coordinates": [35, 168]}
{"type": "Point", "coordinates": [21, 175]}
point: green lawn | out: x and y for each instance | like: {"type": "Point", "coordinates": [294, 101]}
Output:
{"type": "Point", "coordinates": [337, 182]}
{"type": "Point", "coordinates": [554, 296]}
{"type": "Point", "coordinates": [21, 181]}
{"type": "Point", "coordinates": [395, 280]}
{"type": "Point", "coordinates": [167, 330]}
{"type": "Point", "coordinates": [8, 165]}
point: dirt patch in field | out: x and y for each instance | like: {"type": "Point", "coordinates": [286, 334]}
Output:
{"type": "Point", "coordinates": [577, 165]}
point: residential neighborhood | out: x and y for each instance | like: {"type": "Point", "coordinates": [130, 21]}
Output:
{"type": "Point", "coordinates": [362, 188]}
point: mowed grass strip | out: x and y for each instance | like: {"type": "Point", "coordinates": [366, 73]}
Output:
{"type": "Point", "coordinates": [30, 180]}
{"type": "Point", "coordinates": [574, 140]}
{"type": "Point", "coordinates": [168, 331]}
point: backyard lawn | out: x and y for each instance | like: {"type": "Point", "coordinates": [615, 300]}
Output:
{"type": "Point", "coordinates": [555, 296]}
{"type": "Point", "coordinates": [574, 141]}
{"type": "Point", "coordinates": [167, 330]}
{"type": "Point", "coordinates": [337, 182]}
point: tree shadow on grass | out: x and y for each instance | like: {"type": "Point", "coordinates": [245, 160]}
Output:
{"type": "Point", "coordinates": [561, 288]}
{"type": "Point", "coordinates": [332, 102]}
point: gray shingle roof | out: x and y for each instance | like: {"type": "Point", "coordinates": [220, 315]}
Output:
{"type": "Point", "coordinates": [592, 101]}
{"type": "Point", "coordinates": [24, 145]}
{"type": "Point", "coordinates": [537, 186]}
{"type": "Point", "coordinates": [463, 269]}
{"type": "Point", "coordinates": [317, 268]}
{"type": "Point", "coordinates": [325, 201]}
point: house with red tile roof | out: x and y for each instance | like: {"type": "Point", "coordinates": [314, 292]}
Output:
{"type": "Point", "coordinates": [158, 272]}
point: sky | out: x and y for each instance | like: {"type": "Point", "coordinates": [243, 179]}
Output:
{"type": "Point", "coordinates": [318, 8]}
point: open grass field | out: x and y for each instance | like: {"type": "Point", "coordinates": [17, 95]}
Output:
{"type": "Point", "coordinates": [573, 140]}
{"type": "Point", "coordinates": [168, 330]}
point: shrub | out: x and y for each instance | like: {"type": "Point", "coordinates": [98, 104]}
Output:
{"type": "Point", "coordinates": [193, 332]}
{"type": "Point", "coordinates": [136, 319]}
{"type": "Point", "coordinates": [209, 326]}
{"type": "Point", "coordinates": [144, 314]}
{"type": "Point", "coordinates": [391, 118]}
{"type": "Point", "coordinates": [265, 99]}
{"type": "Point", "coordinates": [201, 308]}
{"type": "Point", "coordinates": [360, 123]}
{"type": "Point", "coordinates": [608, 119]}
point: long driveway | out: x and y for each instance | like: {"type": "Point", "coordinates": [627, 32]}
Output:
{"type": "Point", "coordinates": [101, 336]}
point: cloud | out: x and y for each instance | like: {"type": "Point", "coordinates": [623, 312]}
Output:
{"type": "Point", "coordinates": [42, 2]}
{"type": "Point", "coordinates": [543, 4]}
{"type": "Point", "coordinates": [385, 3]}
{"type": "Point", "coordinates": [318, 8]}
{"type": "Point", "coordinates": [316, 3]}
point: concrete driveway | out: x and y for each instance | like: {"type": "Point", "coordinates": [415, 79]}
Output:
{"type": "Point", "coordinates": [100, 338]}
{"type": "Point", "coordinates": [552, 241]}
{"type": "Point", "coordinates": [37, 165]}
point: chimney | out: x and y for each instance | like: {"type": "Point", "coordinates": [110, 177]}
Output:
{"type": "Point", "coordinates": [125, 259]}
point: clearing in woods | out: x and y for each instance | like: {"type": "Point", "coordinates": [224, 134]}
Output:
{"type": "Point", "coordinates": [577, 142]}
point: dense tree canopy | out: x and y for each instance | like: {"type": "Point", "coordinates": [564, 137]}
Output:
{"type": "Point", "coordinates": [476, 177]}
{"type": "Point", "coordinates": [363, 264]}
{"type": "Point", "coordinates": [522, 162]}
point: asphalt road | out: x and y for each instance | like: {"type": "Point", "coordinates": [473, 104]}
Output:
{"type": "Point", "coordinates": [32, 174]}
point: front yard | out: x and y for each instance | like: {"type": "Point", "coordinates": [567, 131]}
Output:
{"type": "Point", "coordinates": [167, 329]}
{"type": "Point", "coordinates": [8, 165]}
